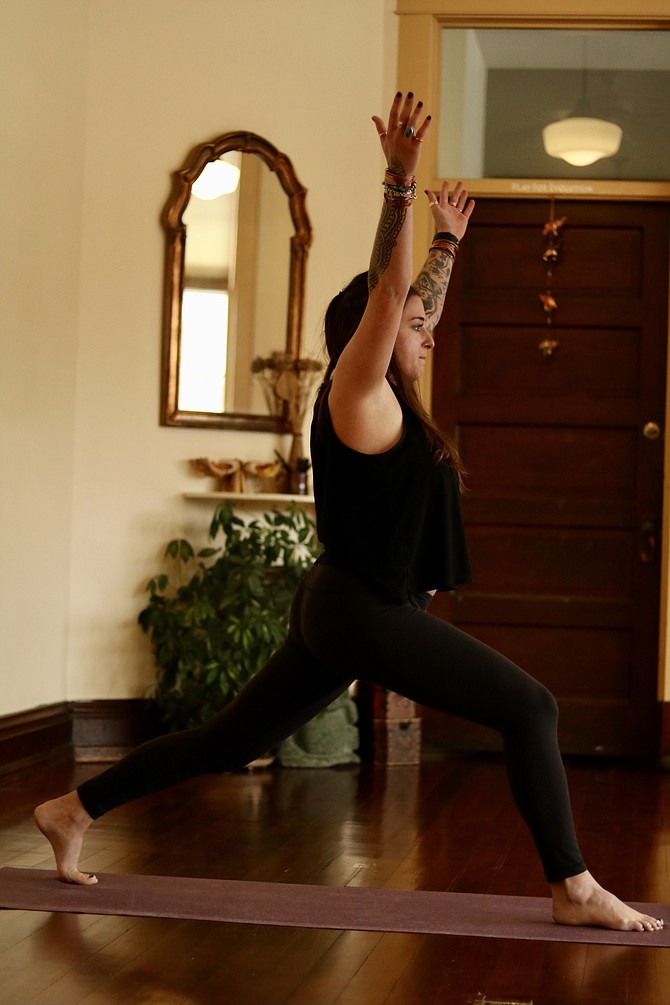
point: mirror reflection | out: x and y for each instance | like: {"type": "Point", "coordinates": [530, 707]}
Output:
{"type": "Point", "coordinates": [237, 238]}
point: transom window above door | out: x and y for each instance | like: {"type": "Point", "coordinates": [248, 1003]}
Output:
{"type": "Point", "coordinates": [555, 103]}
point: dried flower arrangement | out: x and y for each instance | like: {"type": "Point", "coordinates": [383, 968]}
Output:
{"type": "Point", "coordinates": [287, 383]}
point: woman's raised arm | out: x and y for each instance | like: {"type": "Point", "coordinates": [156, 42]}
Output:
{"type": "Point", "coordinates": [451, 215]}
{"type": "Point", "coordinates": [362, 367]}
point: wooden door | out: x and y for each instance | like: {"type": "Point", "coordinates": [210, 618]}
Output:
{"type": "Point", "coordinates": [565, 458]}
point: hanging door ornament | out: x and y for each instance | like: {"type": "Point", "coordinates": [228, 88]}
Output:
{"type": "Point", "coordinates": [550, 256]}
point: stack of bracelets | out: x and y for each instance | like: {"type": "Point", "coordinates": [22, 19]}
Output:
{"type": "Point", "coordinates": [446, 242]}
{"type": "Point", "coordinates": [400, 191]}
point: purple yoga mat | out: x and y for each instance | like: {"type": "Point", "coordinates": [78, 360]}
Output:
{"type": "Point", "coordinates": [305, 906]}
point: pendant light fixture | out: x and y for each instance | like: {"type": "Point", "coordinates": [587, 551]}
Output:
{"type": "Point", "coordinates": [581, 138]}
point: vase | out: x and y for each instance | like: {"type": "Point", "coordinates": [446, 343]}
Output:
{"type": "Point", "coordinates": [296, 452]}
{"type": "Point", "coordinates": [298, 467]}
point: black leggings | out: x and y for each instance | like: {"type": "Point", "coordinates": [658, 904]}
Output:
{"type": "Point", "coordinates": [341, 631]}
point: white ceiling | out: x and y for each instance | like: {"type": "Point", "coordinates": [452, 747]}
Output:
{"type": "Point", "coordinates": [551, 49]}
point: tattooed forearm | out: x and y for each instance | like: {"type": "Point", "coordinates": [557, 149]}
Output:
{"type": "Point", "coordinates": [431, 285]}
{"type": "Point", "coordinates": [390, 225]}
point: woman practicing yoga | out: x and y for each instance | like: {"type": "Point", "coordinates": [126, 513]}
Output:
{"type": "Point", "coordinates": [386, 484]}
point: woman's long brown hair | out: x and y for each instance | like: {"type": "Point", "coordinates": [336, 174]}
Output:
{"type": "Point", "coordinates": [343, 316]}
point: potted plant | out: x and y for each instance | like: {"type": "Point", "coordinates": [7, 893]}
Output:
{"type": "Point", "coordinates": [215, 626]}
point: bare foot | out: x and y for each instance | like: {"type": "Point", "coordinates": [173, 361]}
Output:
{"type": "Point", "coordinates": [63, 822]}
{"type": "Point", "coordinates": [579, 900]}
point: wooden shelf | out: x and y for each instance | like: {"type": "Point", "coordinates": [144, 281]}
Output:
{"type": "Point", "coordinates": [253, 498]}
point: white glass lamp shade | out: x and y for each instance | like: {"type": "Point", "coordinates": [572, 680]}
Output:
{"type": "Point", "coordinates": [217, 178]}
{"type": "Point", "coordinates": [581, 141]}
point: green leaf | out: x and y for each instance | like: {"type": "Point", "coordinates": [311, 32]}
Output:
{"type": "Point", "coordinates": [216, 629]}
{"type": "Point", "coordinates": [185, 551]}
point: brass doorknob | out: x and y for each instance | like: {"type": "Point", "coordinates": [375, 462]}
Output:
{"type": "Point", "coordinates": [652, 430]}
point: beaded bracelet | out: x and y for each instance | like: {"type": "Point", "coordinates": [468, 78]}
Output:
{"type": "Point", "coordinates": [399, 195]}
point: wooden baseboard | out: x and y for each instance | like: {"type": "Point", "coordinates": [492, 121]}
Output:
{"type": "Point", "coordinates": [40, 734]}
{"type": "Point", "coordinates": [106, 730]}
{"type": "Point", "coordinates": [80, 730]}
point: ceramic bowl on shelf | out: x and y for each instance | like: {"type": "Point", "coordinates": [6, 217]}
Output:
{"type": "Point", "coordinates": [229, 474]}
{"type": "Point", "coordinates": [265, 476]}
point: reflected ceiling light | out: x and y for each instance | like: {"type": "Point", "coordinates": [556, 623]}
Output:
{"type": "Point", "coordinates": [581, 141]}
{"type": "Point", "coordinates": [216, 179]}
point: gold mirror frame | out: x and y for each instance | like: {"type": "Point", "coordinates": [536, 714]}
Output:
{"type": "Point", "coordinates": [173, 284]}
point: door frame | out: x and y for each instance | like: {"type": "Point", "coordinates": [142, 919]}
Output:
{"type": "Point", "coordinates": [420, 23]}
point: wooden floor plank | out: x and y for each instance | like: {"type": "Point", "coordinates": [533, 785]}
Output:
{"type": "Point", "coordinates": [335, 969]}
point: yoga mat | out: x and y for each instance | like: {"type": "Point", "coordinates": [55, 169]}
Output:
{"type": "Point", "coordinates": [304, 906]}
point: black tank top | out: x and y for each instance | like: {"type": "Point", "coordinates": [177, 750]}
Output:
{"type": "Point", "coordinates": [393, 519]}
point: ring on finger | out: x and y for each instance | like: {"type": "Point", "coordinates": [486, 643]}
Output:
{"type": "Point", "coordinates": [409, 131]}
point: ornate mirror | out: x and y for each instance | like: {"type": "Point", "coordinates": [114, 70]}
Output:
{"type": "Point", "coordinates": [237, 237]}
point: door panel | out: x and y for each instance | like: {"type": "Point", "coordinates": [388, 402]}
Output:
{"type": "Point", "coordinates": [564, 489]}
{"type": "Point", "coordinates": [494, 361]}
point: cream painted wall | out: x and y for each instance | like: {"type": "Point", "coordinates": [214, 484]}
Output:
{"type": "Point", "coordinates": [110, 97]}
{"type": "Point", "coordinates": [42, 137]}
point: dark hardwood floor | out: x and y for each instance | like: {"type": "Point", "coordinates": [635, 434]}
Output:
{"type": "Point", "coordinates": [448, 824]}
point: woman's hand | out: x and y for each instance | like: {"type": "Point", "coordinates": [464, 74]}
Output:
{"type": "Point", "coordinates": [451, 214]}
{"type": "Point", "coordinates": [401, 138]}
